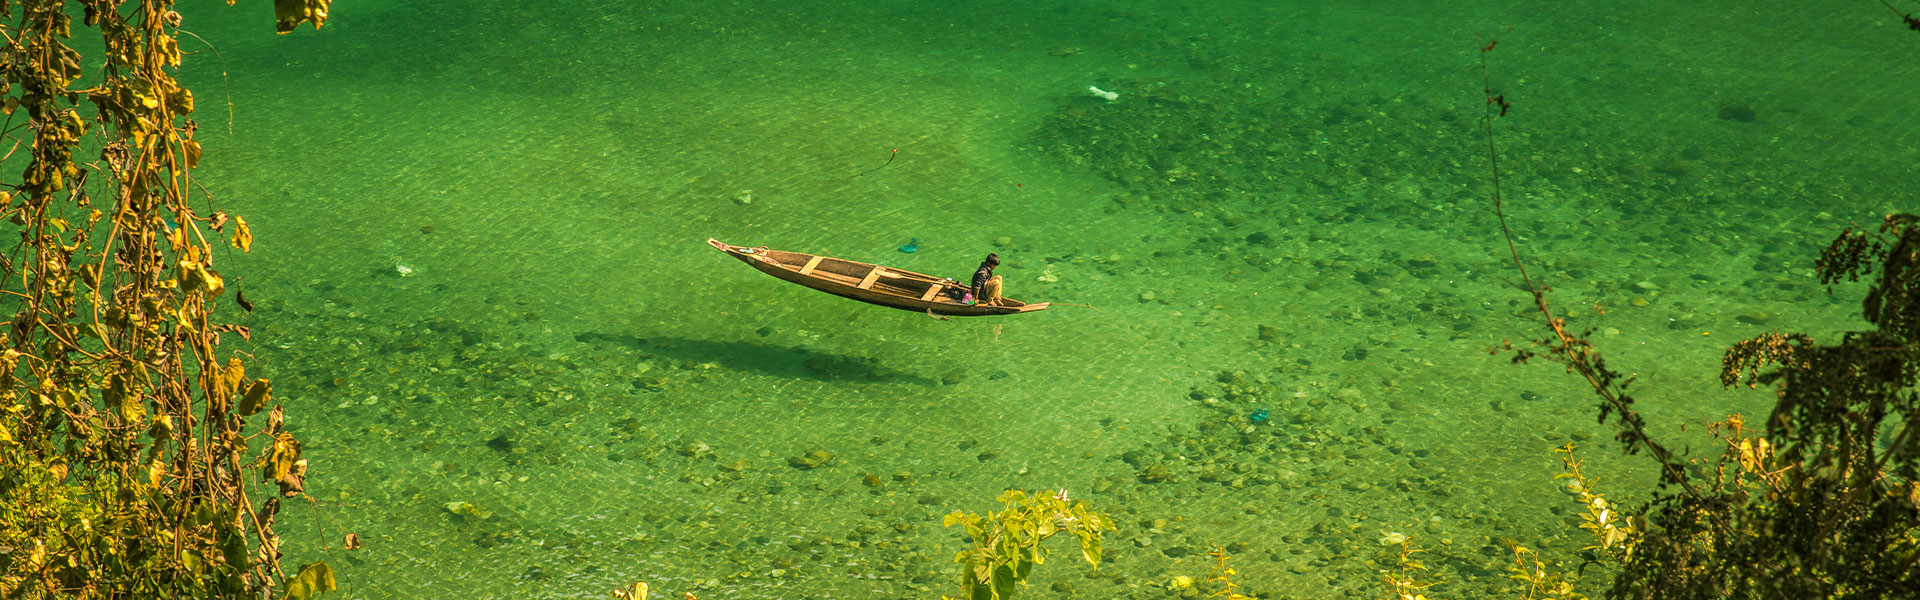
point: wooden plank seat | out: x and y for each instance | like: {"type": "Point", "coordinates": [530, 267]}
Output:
{"type": "Point", "coordinates": [812, 264]}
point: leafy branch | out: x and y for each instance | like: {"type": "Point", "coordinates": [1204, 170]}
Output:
{"type": "Point", "coordinates": [1822, 505]}
{"type": "Point", "coordinates": [1006, 543]}
{"type": "Point", "coordinates": [124, 435]}
{"type": "Point", "coordinates": [1575, 351]}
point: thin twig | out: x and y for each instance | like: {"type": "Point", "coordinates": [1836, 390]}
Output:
{"type": "Point", "coordinates": [1576, 359]}
{"type": "Point", "coordinates": [224, 84]}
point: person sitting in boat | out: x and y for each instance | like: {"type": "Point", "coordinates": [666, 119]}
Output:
{"type": "Point", "coordinates": [986, 285]}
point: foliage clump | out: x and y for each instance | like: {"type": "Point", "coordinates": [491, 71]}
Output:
{"type": "Point", "coordinates": [1006, 543]}
{"type": "Point", "coordinates": [127, 467]}
{"type": "Point", "coordinates": [1825, 503]}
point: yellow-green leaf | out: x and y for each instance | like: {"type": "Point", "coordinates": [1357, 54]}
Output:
{"type": "Point", "coordinates": [211, 278]}
{"type": "Point", "coordinates": [242, 237]}
{"type": "Point", "coordinates": [313, 580]}
{"type": "Point", "coordinates": [257, 396]}
{"type": "Point", "coordinates": [234, 549]}
{"type": "Point", "coordinates": [1090, 550]}
{"type": "Point", "coordinates": [131, 408]}
{"type": "Point", "coordinates": [288, 14]}
{"type": "Point", "coordinates": [228, 379]}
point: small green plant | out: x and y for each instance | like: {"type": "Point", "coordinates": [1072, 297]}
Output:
{"type": "Point", "coordinates": [1613, 533]}
{"type": "Point", "coordinates": [1406, 583]}
{"type": "Point", "coordinates": [1542, 583]}
{"type": "Point", "coordinates": [1006, 543]}
{"type": "Point", "coordinates": [1222, 577]}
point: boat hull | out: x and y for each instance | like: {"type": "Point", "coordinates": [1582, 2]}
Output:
{"type": "Point", "coordinates": [871, 283]}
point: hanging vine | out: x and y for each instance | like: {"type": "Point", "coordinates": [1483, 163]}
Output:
{"type": "Point", "coordinates": [128, 467]}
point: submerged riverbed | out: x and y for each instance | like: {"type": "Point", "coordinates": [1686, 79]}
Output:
{"type": "Point", "coordinates": [483, 292]}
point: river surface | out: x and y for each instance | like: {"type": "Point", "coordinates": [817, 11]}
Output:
{"type": "Point", "coordinates": [484, 294]}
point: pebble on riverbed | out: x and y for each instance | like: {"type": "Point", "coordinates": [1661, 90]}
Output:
{"type": "Point", "coordinates": [811, 459]}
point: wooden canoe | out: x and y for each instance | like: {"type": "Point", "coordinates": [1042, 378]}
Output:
{"type": "Point", "coordinates": [871, 283]}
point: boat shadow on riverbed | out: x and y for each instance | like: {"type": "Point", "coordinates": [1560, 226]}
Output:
{"type": "Point", "coordinates": [777, 361]}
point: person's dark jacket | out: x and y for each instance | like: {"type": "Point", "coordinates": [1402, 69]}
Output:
{"type": "Point", "coordinates": [980, 278]}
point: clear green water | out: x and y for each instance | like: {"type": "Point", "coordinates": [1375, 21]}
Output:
{"type": "Point", "coordinates": [1292, 191]}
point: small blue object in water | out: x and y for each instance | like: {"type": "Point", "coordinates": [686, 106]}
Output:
{"type": "Point", "coordinates": [912, 245]}
{"type": "Point", "coordinates": [1258, 416]}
